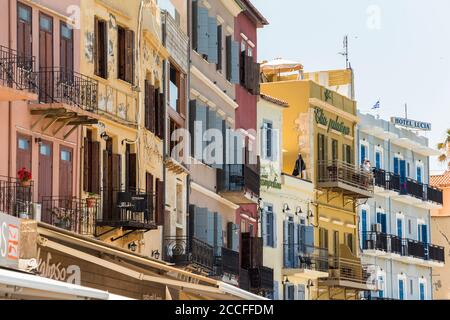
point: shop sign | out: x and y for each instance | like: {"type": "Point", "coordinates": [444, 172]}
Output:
{"type": "Point", "coordinates": [412, 124]}
{"type": "Point", "coordinates": [331, 124]}
{"type": "Point", "coordinates": [270, 178]}
{"type": "Point", "coordinates": [9, 241]}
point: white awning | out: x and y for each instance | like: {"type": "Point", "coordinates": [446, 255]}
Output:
{"type": "Point", "coordinates": [21, 285]}
{"type": "Point", "coordinates": [235, 291]}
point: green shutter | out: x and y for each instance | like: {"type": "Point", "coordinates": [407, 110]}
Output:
{"type": "Point", "coordinates": [234, 62]}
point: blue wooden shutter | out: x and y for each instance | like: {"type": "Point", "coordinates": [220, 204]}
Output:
{"type": "Point", "coordinates": [286, 243]}
{"type": "Point", "coordinates": [378, 160]}
{"type": "Point", "coordinates": [274, 229]}
{"type": "Point", "coordinates": [396, 165]}
{"type": "Point", "coordinates": [424, 233]}
{"type": "Point", "coordinates": [276, 291]}
{"type": "Point", "coordinates": [234, 62]}
{"type": "Point", "coordinates": [383, 223]}
{"type": "Point", "coordinates": [212, 40]}
{"type": "Point", "coordinates": [401, 293]}
{"type": "Point", "coordinates": [201, 224]}
{"type": "Point", "coordinates": [309, 239]}
{"type": "Point", "coordinates": [363, 153]}
{"type": "Point", "coordinates": [202, 30]}
{"type": "Point", "coordinates": [400, 228]}
{"type": "Point", "coordinates": [364, 226]}
{"type": "Point", "coordinates": [422, 291]}
{"type": "Point", "coordinates": [218, 235]}
{"type": "Point", "coordinates": [301, 295]}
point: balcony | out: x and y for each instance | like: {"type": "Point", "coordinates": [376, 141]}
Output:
{"type": "Point", "coordinates": [127, 209]}
{"type": "Point", "coordinates": [230, 261]}
{"type": "Point", "coordinates": [16, 199]}
{"type": "Point", "coordinates": [66, 98]}
{"type": "Point", "coordinates": [257, 280]}
{"type": "Point", "coordinates": [380, 244]}
{"type": "Point", "coordinates": [18, 81]}
{"type": "Point", "coordinates": [305, 261]}
{"type": "Point", "coordinates": [349, 179]}
{"type": "Point", "coordinates": [238, 183]}
{"type": "Point", "coordinates": [75, 215]}
{"type": "Point", "coordinates": [175, 41]}
{"type": "Point", "coordinates": [409, 190]}
{"type": "Point", "coordinates": [190, 251]}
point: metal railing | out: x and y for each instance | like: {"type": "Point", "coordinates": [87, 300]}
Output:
{"type": "Point", "coordinates": [189, 250]}
{"type": "Point", "coordinates": [261, 278]}
{"type": "Point", "coordinates": [338, 171]}
{"type": "Point", "coordinates": [404, 247]}
{"type": "Point", "coordinates": [434, 195]}
{"type": "Point", "coordinates": [394, 182]}
{"type": "Point", "coordinates": [230, 261]}
{"type": "Point", "coordinates": [17, 71]}
{"type": "Point", "coordinates": [15, 198]}
{"type": "Point", "coordinates": [58, 85]}
{"type": "Point", "coordinates": [413, 188]}
{"type": "Point", "coordinates": [380, 178]}
{"type": "Point", "coordinates": [238, 177]}
{"type": "Point", "coordinates": [302, 256]}
{"type": "Point", "coordinates": [76, 215]}
{"type": "Point", "coordinates": [350, 270]}
{"type": "Point", "coordinates": [132, 207]}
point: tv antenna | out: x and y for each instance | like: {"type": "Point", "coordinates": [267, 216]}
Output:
{"type": "Point", "coordinates": [345, 53]}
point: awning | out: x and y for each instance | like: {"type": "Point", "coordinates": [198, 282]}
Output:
{"type": "Point", "coordinates": [22, 286]}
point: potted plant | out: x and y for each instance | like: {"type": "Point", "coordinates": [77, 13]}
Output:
{"type": "Point", "coordinates": [91, 200]}
{"type": "Point", "coordinates": [24, 177]}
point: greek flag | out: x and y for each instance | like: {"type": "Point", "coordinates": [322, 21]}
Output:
{"type": "Point", "coordinates": [376, 105]}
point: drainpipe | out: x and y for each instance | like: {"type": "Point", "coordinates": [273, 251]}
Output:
{"type": "Point", "coordinates": [187, 95]}
{"type": "Point", "coordinates": [9, 102]}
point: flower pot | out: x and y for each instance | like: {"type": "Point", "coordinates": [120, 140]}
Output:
{"type": "Point", "coordinates": [91, 202]}
{"type": "Point", "coordinates": [25, 184]}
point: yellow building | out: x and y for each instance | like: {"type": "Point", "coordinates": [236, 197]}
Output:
{"type": "Point", "coordinates": [320, 124]}
{"type": "Point", "coordinates": [123, 154]}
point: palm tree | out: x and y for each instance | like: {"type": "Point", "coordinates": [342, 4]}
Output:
{"type": "Point", "coordinates": [444, 148]}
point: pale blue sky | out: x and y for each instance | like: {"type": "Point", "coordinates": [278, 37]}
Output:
{"type": "Point", "coordinates": [406, 60]}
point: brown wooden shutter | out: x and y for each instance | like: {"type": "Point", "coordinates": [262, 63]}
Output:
{"type": "Point", "coordinates": [95, 167]}
{"type": "Point", "coordinates": [149, 106]}
{"type": "Point", "coordinates": [116, 183]}
{"type": "Point", "coordinates": [86, 165]}
{"type": "Point", "coordinates": [245, 251]}
{"type": "Point", "coordinates": [132, 173]}
{"type": "Point", "coordinates": [149, 190]}
{"type": "Point", "coordinates": [96, 47]}
{"type": "Point", "coordinates": [257, 79]}
{"type": "Point", "coordinates": [161, 116]}
{"type": "Point", "coordinates": [121, 53]}
{"type": "Point", "coordinates": [129, 52]}
{"type": "Point", "coordinates": [182, 93]}
{"type": "Point", "coordinates": [107, 192]}
{"type": "Point", "coordinates": [160, 202]}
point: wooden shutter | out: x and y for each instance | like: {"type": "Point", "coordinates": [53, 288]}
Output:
{"type": "Point", "coordinates": [86, 164]}
{"type": "Point", "coordinates": [161, 116]}
{"type": "Point", "coordinates": [234, 62]}
{"type": "Point", "coordinates": [132, 173]}
{"type": "Point", "coordinates": [150, 106]}
{"type": "Point", "coordinates": [96, 53]}
{"type": "Point", "coordinates": [107, 186]}
{"type": "Point", "coordinates": [228, 57]}
{"type": "Point", "coordinates": [202, 30]}
{"type": "Point", "coordinates": [245, 250]}
{"type": "Point", "coordinates": [121, 61]}
{"type": "Point", "coordinates": [182, 95]}
{"type": "Point", "coordinates": [95, 167]}
{"type": "Point", "coordinates": [212, 40]}
{"type": "Point", "coordinates": [129, 53]}
{"type": "Point", "coordinates": [219, 48]}
{"type": "Point", "coordinates": [256, 78]}
{"type": "Point", "coordinates": [116, 174]}
{"type": "Point", "coordinates": [24, 34]}
{"type": "Point", "coordinates": [149, 190]}
{"type": "Point", "coordinates": [160, 202]}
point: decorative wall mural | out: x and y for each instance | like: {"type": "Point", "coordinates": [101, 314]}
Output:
{"type": "Point", "coordinates": [151, 150]}
{"type": "Point", "coordinates": [89, 46]}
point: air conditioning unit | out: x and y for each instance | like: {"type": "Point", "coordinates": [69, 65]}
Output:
{"type": "Point", "coordinates": [37, 211]}
{"type": "Point", "coordinates": [376, 227]}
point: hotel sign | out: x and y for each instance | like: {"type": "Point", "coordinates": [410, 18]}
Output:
{"type": "Point", "coordinates": [331, 124]}
{"type": "Point", "coordinates": [9, 241]}
{"type": "Point", "coordinates": [408, 123]}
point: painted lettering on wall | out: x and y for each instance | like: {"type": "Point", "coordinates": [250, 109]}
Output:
{"type": "Point", "coordinates": [54, 270]}
{"type": "Point", "coordinates": [9, 241]}
{"type": "Point", "coordinates": [331, 124]}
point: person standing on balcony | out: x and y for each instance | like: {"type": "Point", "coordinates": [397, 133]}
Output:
{"type": "Point", "coordinates": [367, 168]}
{"type": "Point", "coordinates": [300, 167]}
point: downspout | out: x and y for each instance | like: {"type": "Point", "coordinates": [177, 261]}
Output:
{"type": "Point", "coordinates": [9, 102]}
{"type": "Point", "coordinates": [188, 94]}
{"type": "Point", "coordinates": [390, 212]}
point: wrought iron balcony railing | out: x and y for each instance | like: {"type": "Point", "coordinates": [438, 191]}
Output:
{"type": "Point", "coordinates": [381, 179]}
{"type": "Point", "coordinates": [350, 270]}
{"type": "Point", "coordinates": [413, 188]}
{"type": "Point", "coordinates": [58, 85]}
{"type": "Point", "coordinates": [238, 177]}
{"type": "Point", "coordinates": [76, 215]}
{"type": "Point", "coordinates": [17, 71]}
{"type": "Point", "coordinates": [184, 251]}
{"type": "Point", "coordinates": [404, 247]}
{"type": "Point", "coordinates": [338, 174]}
{"type": "Point", "coordinates": [16, 198]}
{"type": "Point", "coordinates": [301, 256]}
{"type": "Point", "coordinates": [132, 208]}
{"type": "Point", "coordinates": [434, 195]}
{"type": "Point", "coordinates": [230, 261]}
{"type": "Point", "coordinates": [394, 182]}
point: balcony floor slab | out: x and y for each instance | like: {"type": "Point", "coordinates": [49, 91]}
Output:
{"type": "Point", "coordinates": [12, 94]}
{"type": "Point", "coordinates": [305, 273]}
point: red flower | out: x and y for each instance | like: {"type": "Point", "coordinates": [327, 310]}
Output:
{"type": "Point", "coordinates": [24, 175]}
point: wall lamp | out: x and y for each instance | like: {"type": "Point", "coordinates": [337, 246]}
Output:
{"type": "Point", "coordinates": [105, 136]}
{"type": "Point", "coordinates": [132, 246]}
{"type": "Point", "coordinates": [298, 210]}
{"type": "Point", "coordinates": [286, 208]}
{"type": "Point", "coordinates": [156, 254]}
{"type": "Point", "coordinates": [285, 281]}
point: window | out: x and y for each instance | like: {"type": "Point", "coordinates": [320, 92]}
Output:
{"type": "Point", "coordinates": [419, 172]}
{"type": "Point", "coordinates": [174, 92]}
{"type": "Point", "coordinates": [364, 153]}
{"type": "Point", "coordinates": [323, 238]}
{"type": "Point", "coordinates": [381, 219]}
{"type": "Point", "coordinates": [336, 243]}
{"type": "Point", "coordinates": [269, 224]}
{"type": "Point", "coordinates": [347, 154]}
{"type": "Point", "coordinates": [125, 54]}
{"type": "Point", "coordinates": [24, 33]}
{"type": "Point", "coordinates": [66, 47]}
{"type": "Point", "coordinates": [45, 149]}
{"type": "Point", "coordinates": [422, 290]}
{"type": "Point", "coordinates": [378, 158]}
{"type": "Point", "coordinates": [23, 144]}
{"type": "Point", "coordinates": [422, 231]}
{"type": "Point", "coordinates": [334, 149]}
{"type": "Point", "coordinates": [66, 155]}
{"type": "Point", "coordinates": [101, 48]}
{"type": "Point", "coordinates": [349, 241]}
{"type": "Point", "coordinates": [401, 289]}
{"type": "Point", "coordinates": [400, 226]}
{"type": "Point", "coordinates": [46, 23]}
{"type": "Point", "coordinates": [267, 139]}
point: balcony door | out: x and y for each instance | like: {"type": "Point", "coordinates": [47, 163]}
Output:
{"type": "Point", "coordinates": [23, 152]}
{"type": "Point", "coordinates": [381, 219]}
{"type": "Point", "coordinates": [66, 172]}
{"type": "Point", "coordinates": [45, 57]}
{"type": "Point", "coordinates": [363, 227]}
{"type": "Point", "coordinates": [289, 243]}
{"type": "Point", "coordinates": [24, 34]}
{"type": "Point", "coordinates": [45, 183]}
{"type": "Point", "coordinates": [66, 47]}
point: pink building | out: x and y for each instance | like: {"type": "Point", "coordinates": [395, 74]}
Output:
{"type": "Point", "coordinates": [43, 103]}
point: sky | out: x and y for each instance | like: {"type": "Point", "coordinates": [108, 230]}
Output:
{"type": "Point", "coordinates": [399, 50]}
